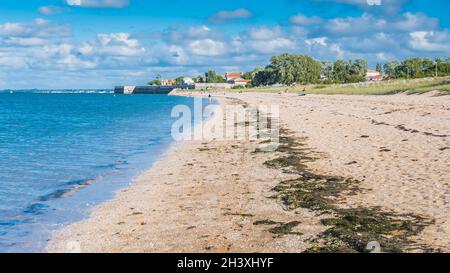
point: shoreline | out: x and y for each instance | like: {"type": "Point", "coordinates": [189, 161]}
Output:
{"type": "Point", "coordinates": [219, 196]}
{"type": "Point", "coordinates": [60, 183]}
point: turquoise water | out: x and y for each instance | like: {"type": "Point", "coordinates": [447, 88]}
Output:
{"type": "Point", "coordinates": [61, 154]}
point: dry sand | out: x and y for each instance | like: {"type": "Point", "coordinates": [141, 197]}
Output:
{"type": "Point", "coordinates": [206, 196]}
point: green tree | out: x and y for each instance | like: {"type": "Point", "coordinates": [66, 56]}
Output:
{"type": "Point", "coordinates": [379, 68]}
{"type": "Point", "coordinates": [179, 80]}
{"type": "Point", "coordinates": [327, 71]}
{"type": "Point", "coordinates": [267, 76]}
{"type": "Point", "coordinates": [423, 67]}
{"type": "Point", "coordinates": [291, 69]}
{"type": "Point", "coordinates": [340, 71]}
{"type": "Point", "coordinates": [156, 81]}
{"type": "Point", "coordinates": [350, 71]}
{"type": "Point", "coordinates": [391, 69]}
{"type": "Point", "coordinates": [428, 68]}
{"type": "Point", "coordinates": [250, 75]}
{"type": "Point", "coordinates": [358, 69]}
{"type": "Point", "coordinates": [443, 66]}
{"type": "Point", "coordinates": [198, 79]}
{"type": "Point", "coordinates": [412, 68]}
{"type": "Point", "coordinates": [212, 77]}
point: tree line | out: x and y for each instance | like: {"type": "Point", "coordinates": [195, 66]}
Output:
{"type": "Point", "coordinates": [290, 69]}
{"type": "Point", "coordinates": [416, 68]}
{"type": "Point", "coordinates": [210, 77]}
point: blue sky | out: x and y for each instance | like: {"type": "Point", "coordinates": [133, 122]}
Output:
{"type": "Point", "coordinates": [102, 43]}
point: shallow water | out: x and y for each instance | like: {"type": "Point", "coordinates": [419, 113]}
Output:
{"type": "Point", "coordinates": [62, 153]}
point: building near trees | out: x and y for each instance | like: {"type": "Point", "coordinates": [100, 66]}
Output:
{"type": "Point", "coordinates": [373, 75]}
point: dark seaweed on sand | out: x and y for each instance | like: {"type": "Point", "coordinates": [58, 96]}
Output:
{"type": "Point", "coordinates": [349, 229]}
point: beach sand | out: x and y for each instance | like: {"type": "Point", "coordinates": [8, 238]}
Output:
{"type": "Point", "coordinates": [217, 196]}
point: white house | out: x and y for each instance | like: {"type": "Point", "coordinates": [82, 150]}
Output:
{"type": "Point", "coordinates": [373, 75]}
{"type": "Point", "coordinates": [188, 81]}
{"type": "Point", "coordinates": [236, 78]}
{"type": "Point", "coordinates": [239, 81]}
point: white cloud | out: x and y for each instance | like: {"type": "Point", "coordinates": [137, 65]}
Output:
{"type": "Point", "coordinates": [172, 54]}
{"type": "Point", "coordinates": [117, 39]}
{"type": "Point", "coordinates": [299, 31]}
{"type": "Point", "coordinates": [368, 35]}
{"type": "Point", "coordinates": [301, 19]}
{"type": "Point", "coordinates": [117, 44]}
{"type": "Point", "coordinates": [384, 56]}
{"type": "Point", "coordinates": [73, 62]}
{"type": "Point", "coordinates": [360, 2]}
{"type": "Point", "coordinates": [265, 40]}
{"type": "Point", "coordinates": [50, 10]}
{"type": "Point", "coordinates": [370, 24]}
{"type": "Point", "coordinates": [385, 6]}
{"type": "Point", "coordinates": [207, 47]}
{"type": "Point", "coordinates": [430, 41]}
{"type": "Point", "coordinates": [42, 45]}
{"type": "Point", "coordinates": [229, 16]}
{"type": "Point", "coordinates": [354, 25]}
{"type": "Point", "coordinates": [337, 50]}
{"type": "Point", "coordinates": [12, 61]}
{"type": "Point", "coordinates": [32, 41]}
{"type": "Point", "coordinates": [265, 33]}
{"type": "Point", "coordinates": [61, 56]}
{"type": "Point", "coordinates": [199, 32]}
{"type": "Point", "coordinates": [60, 50]}
{"type": "Point", "coordinates": [38, 28]}
{"type": "Point", "coordinates": [272, 46]}
{"type": "Point", "coordinates": [319, 41]}
{"type": "Point", "coordinates": [13, 29]}
{"type": "Point", "coordinates": [86, 49]}
{"type": "Point", "coordinates": [414, 22]}
{"type": "Point", "coordinates": [98, 3]}
{"type": "Point", "coordinates": [33, 45]}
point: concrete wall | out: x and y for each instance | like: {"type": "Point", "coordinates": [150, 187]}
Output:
{"type": "Point", "coordinates": [204, 86]}
{"type": "Point", "coordinates": [128, 89]}
{"type": "Point", "coordinates": [144, 89]}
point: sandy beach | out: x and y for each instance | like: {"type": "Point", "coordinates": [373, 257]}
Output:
{"type": "Point", "coordinates": [389, 154]}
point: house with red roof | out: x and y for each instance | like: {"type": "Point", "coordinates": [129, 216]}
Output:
{"type": "Point", "coordinates": [373, 75]}
{"type": "Point", "coordinates": [236, 78]}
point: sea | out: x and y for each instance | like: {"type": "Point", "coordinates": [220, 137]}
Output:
{"type": "Point", "coordinates": [64, 152]}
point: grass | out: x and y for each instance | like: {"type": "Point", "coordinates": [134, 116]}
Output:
{"type": "Point", "coordinates": [410, 86]}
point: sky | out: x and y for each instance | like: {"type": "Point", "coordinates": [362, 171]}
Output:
{"type": "Point", "coordinates": [60, 44]}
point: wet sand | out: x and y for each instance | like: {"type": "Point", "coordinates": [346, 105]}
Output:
{"type": "Point", "coordinates": [217, 196]}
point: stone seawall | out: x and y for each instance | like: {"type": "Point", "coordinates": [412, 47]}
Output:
{"type": "Point", "coordinates": [144, 89]}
